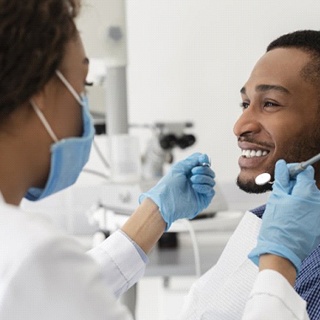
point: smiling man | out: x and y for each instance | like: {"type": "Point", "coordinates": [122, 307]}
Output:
{"type": "Point", "coordinates": [280, 120]}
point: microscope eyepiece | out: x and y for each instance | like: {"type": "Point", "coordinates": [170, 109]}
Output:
{"type": "Point", "coordinates": [186, 141]}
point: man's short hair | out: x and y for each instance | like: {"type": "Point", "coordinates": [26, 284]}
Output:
{"type": "Point", "coordinates": [307, 41]}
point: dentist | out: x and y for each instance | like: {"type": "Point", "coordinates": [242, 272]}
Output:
{"type": "Point", "coordinates": [45, 139]}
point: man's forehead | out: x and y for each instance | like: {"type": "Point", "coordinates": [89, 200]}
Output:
{"type": "Point", "coordinates": [279, 68]}
{"type": "Point", "coordinates": [282, 59]}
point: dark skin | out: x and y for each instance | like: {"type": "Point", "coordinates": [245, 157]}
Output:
{"type": "Point", "coordinates": [25, 144]}
{"type": "Point", "coordinates": [280, 118]}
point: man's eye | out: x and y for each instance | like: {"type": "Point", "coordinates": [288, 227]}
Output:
{"type": "Point", "coordinates": [270, 104]}
{"type": "Point", "coordinates": [244, 105]}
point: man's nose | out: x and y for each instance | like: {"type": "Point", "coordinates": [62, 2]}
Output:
{"type": "Point", "coordinates": [248, 123]}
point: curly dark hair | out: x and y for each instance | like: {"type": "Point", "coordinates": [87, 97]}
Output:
{"type": "Point", "coordinates": [33, 37]}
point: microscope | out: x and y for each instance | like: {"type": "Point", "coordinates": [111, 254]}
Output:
{"type": "Point", "coordinates": [159, 151]}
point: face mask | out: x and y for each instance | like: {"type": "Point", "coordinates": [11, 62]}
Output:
{"type": "Point", "coordinates": [68, 156]}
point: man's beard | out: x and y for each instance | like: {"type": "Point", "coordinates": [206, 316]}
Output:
{"type": "Point", "coordinates": [300, 150]}
{"type": "Point", "coordinates": [251, 187]}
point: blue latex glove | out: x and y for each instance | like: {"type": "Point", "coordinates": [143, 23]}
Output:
{"type": "Point", "coordinates": [185, 190]}
{"type": "Point", "coordinates": [291, 222]}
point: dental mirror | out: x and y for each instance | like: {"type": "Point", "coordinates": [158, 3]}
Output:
{"type": "Point", "coordinates": [262, 179]}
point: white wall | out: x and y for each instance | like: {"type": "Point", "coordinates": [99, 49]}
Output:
{"type": "Point", "coordinates": [189, 58]}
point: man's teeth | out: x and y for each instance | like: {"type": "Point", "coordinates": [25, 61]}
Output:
{"type": "Point", "coordinates": [253, 153]}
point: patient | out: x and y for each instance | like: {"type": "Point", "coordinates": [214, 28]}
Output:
{"type": "Point", "coordinates": [280, 120]}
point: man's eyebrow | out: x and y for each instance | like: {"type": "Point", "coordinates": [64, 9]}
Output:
{"type": "Point", "coordinates": [267, 87]}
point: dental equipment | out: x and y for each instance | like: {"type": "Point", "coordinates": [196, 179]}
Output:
{"type": "Point", "coordinates": [264, 178]}
{"type": "Point", "coordinates": [166, 136]}
{"type": "Point", "coordinates": [206, 164]}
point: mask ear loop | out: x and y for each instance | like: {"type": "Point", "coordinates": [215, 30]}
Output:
{"type": "Point", "coordinates": [69, 86]}
{"type": "Point", "coordinates": [44, 121]}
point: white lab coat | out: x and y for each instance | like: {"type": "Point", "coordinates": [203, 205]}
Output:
{"type": "Point", "coordinates": [45, 274]}
{"type": "Point", "coordinates": [234, 289]}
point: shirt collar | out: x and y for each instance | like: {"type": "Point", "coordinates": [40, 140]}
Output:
{"type": "Point", "coordinates": [259, 211]}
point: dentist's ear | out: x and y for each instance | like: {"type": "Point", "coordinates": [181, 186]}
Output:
{"type": "Point", "coordinates": [43, 120]}
{"type": "Point", "coordinates": [48, 94]}
{"type": "Point", "coordinates": [38, 100]}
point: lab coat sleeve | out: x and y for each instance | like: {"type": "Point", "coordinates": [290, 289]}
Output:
{"type": "Point", "coordinates": [272, 297]}
{"type": "Point", "coordinates": [121, 264]}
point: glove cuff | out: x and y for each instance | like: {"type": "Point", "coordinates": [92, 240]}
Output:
{"type": "Point", "coordinates": [157, 201]}
{"type": "Point", "coordinates": [264, 247]}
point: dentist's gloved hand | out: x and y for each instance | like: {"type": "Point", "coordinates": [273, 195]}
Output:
{"type": "Point", "coordinates": [185, 190]}
{"type": "Point", "coordinates": [291, 222]}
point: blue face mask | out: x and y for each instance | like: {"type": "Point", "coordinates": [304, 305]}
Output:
{"type": "Point", "coordinates": [68, 156]}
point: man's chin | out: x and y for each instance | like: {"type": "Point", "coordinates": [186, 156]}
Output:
{"type": "Point", "coordinates": [251, 187]}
